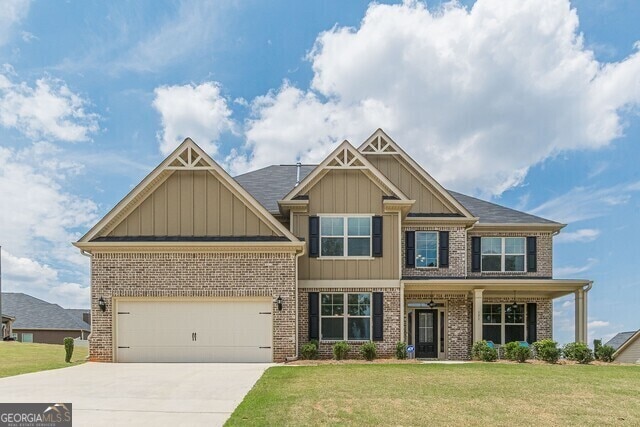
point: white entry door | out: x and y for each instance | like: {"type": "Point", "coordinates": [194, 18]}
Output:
{"type": "Point", "coordinates": [231, 330]}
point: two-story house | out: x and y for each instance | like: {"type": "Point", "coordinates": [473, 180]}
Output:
{"type": "Point", "coordinates": [196, 266]}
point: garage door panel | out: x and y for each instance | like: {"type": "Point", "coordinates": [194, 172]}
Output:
{"type": "Point", "coordinates": [226, 331]}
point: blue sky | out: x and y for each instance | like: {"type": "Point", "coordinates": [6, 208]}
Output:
{"type": "Point", "coordinates": [532, 104]}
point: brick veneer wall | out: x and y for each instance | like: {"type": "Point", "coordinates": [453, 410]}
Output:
{"type": "Point", "coordinates": [544, 254]}
{"type": "Point", "coordinates": [391, 321]}
{"type": "Point", "coordinates": [192, 275]}
{"type": "Point", "coordinates": [456, 254]}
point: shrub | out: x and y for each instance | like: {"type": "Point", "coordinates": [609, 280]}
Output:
{"type": "Point", "coordinates": [401, 350]}
{"type": "Point", "coordinates": [578, 351]}
{"type": "Point", "coordinates": [517, 352]}
{"type": "Point", "coordinates": [596, 346]}
{"type": "Point", "coordinates": [547, 350]}
{"type": "Point", "coordinates": [482, 351]}
{"type": "Point", "coordinates": [68, 349]}
{"type": "Point", "coordinates": [309, 351]}
{"type": "Point", "coordinates": [340, 350]}
{"type": "Point", "coordinates": [605, 353]}
{"type": "Point", "coordinates": [368, 351]}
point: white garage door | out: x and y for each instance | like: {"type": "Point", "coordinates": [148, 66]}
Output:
{"type": "Point", "coordinates": [238, 330]}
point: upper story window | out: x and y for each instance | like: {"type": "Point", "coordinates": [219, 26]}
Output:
{"type": "Point", "coordinates": [503, 254]}
{"type": "Point", "coordinates": [426, 249]}
{"type": "Point", "coordinates": [345, 236]}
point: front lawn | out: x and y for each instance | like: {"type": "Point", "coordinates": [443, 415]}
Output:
{"type": "Point", "coordinates": [20, 358]}
{"type": "Point", "coordinates": [435, 394]}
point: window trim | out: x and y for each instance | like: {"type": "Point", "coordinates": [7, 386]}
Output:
{"type": "Point", "coordinates": [26, 333]}
{"type": "Point", "coordinates": [503, 254]}
{"type": "Point", "coordinates": [345, 237]}
{"type": "Point", "coordinates": [437, 249]}
{"type": "Point", "coordinates": [345, 316]}
{"type": "Point", "coordinates": [503, 319]}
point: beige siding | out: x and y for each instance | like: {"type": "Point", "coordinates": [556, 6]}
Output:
{"type": "Point", "coordinates": [630, 354]}
{"type": "Point", "coordinates": [349, 192]}
{"type": "Point", "coordinates": [192, 203]}
{"type": "Point", "coordinates": [414, 188]}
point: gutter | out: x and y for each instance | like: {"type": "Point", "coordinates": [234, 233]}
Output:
{"type": "Point", "coordinates": [298, 255]}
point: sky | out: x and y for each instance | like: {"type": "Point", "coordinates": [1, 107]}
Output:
{"type": "Point", "coordinates": [532, 104]}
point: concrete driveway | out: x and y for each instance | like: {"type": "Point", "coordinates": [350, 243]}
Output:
{"type": "Point", "coordinates": [126, 394]}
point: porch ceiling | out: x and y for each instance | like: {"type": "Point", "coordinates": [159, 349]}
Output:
{"type": "Point", "coordinates": [548, 288]}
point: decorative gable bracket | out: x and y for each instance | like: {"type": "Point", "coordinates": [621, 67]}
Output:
{"type": "Point", "coordinates": [189, 158]}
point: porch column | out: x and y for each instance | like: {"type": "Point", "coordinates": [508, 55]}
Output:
{"type": "Point", "coordinates": [581, 316]}
{"type": "Point", "coordinates": [477, 314]}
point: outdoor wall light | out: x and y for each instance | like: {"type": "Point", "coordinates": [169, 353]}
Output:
{"type": "Point", "coordinates": [102, 304]}
{"type": "Point", "coordinates": [279, 302]}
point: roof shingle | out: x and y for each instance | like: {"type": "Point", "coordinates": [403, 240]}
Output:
{"type": "Point", "coordinates": [34, 313]}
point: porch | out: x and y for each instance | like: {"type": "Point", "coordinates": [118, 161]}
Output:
{"type": "Point", "coordinates": [443, 318]}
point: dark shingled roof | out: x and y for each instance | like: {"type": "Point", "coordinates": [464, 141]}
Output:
{"type": "Point", "coordinates": [34, 313]}
{"type": "Point", "coordinates": [270, 184]}
{"type": "Point", "coordinates": [621, 338]}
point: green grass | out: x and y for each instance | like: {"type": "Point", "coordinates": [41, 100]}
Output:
{"type": "Point", "coordinates": [19, 358]}
{"type": "Point", "coordinates": [433, 394]}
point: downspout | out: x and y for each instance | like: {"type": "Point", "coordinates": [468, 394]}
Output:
{"type": "Point", "coordinates": [89, 255]}
{"type": "Point", "coordinates": [298, 255]}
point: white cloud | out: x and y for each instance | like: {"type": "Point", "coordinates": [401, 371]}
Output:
{"type": "Point", "coordinates": [11, 13]}
{"type": "Point", "coordinates": [598, 324]}
{"type": "Point", "coordinates": [28, 276]}
{"type": "Point", "coordinates": [583, 235]}
{"type": "Point", "coordinates": [199, 112]}
{"type": "Point", "coordinates": [28, 37]}
{"type": "Point", "coordinates": [477, 95]}
{"type": "Point", "coordinates": [571, 270]}
{"type": "Point", "coordinates": [190, 29]}
{"type": "Point", "coordinates": [49, 109]}
{"type": "Point", "coordinates": [582, 203]}
{"type": "Point", "coordinates": [38, 215]}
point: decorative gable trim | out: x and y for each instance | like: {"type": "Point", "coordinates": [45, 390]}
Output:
{"type": "Point", "coordinates": [345, 157]}
{"type": "Point", "coordinates": [379, 143]}
{"type": "Point", "coordinates": [187, 156]}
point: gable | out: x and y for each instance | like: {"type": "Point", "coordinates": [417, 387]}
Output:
{"type": "Point", "coordinates": [187, 197]}
{"type": "Point", "coordinates": [345, 191]}
{"type": "Point", "coordinates": [192, 204]}
{"type": "Point", "coordinates": [397, 166]}
{"type": "Point", "coordinates": [426, 198]}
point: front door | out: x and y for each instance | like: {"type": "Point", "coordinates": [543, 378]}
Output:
{"type": "Point", "coordinates": [427, 333]}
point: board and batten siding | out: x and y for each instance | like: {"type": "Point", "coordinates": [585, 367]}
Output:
{"type": "Point", "coordinates": [348, 192]}
{"type": "Point", "coordinates": [415, 189]}
{"type": "Point", "coordinates": [192, 203]}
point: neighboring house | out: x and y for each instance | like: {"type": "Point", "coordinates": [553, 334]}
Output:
{"type": "Point", "coordinates": [194, 265]}
{"type": "Point", "coordinates": [627, 347]}
{"type": "Point", "coordinates": [42, 322]}
{"type": "Point", "coordinates": [7, 323]}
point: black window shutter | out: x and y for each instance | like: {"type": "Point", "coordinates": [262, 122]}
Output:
{"type": "Point", "coordinates": [444, 249]}
{"type": "Point", "coordinates": [410, 248]}
{"type": "Point", "coordinates": [314, 316]}
{"type": "Point", "coordinates": [378, 312]}
{"type": "Point", "coordinates": [475, 254]}
{"type": "Point", "coordinates": [532, 251]}
{"type": "Point", "coordinates": [376, 235]}
{"type": "Point", "coordinates": [532, 335]}
{"type": "Point", "coordinates": [314, 237]}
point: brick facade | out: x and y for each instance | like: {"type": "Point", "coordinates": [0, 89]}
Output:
{"type": "Point", "coordinates": [544, 254]}
{"type": "Point", "coordinates": [192, 275]}
{"type": "Point", "coordinates": [391, 321]}
{"type": "Point", "coordinates": [456, 253]}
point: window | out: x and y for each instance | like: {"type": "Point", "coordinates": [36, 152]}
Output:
{"type": "Point", "coordinates": [503, 320]}
{"type": "Point", "coordinates": [503, 253]}
{"type": "Point", "coordinates": [14, 335]}
{"type": "Point", "coordinates": [27, 337]}
{"type": "Point", "coordinates": [345, 236]}
{"type": "Point", "coordinates": [426, 249]}
{"type": "Point", "coordinates": [345, 315]}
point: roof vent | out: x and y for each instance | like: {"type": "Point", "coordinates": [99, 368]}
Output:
{"type": "Point", "coordinates": [298, 167]}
